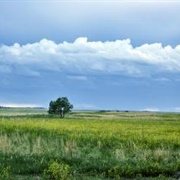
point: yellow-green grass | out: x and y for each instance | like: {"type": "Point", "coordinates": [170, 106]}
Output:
{"type": "Point", "coordinates": [103, 145]}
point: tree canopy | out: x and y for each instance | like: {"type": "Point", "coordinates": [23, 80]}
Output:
{"type": "Point", "coordinates": [60, 107]}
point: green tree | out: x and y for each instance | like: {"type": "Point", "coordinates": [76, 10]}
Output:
{"type": "Point", "coordinates": [60, 107]}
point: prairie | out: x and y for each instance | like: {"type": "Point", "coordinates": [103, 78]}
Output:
{"type": "Point", "coordinates": [89, 145]}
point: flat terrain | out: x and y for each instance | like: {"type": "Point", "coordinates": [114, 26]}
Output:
{"type": "Point", "coordinates": [89, 145]}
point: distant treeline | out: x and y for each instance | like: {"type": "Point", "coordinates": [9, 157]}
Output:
{"type": "Point", "coordinates": [101, 111]}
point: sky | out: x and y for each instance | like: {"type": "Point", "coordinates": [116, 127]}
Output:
{"type": "Point", "coordinates": [114, 55]}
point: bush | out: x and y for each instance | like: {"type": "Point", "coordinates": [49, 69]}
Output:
{"type": "Point", "coordinates": [5, 173]}
{"type": "Point", "coordinates": [58, 171]}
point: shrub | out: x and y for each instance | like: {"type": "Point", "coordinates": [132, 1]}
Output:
{"type": "Point", "coordinates": [58, 171]}
{"type": "Point", "coordinates": [5, 173]}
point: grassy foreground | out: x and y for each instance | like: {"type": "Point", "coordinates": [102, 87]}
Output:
{"type": "Point", "coordinates": [99, 145]}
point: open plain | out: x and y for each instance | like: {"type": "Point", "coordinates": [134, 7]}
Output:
{"type": "Point", "coordinates": [89, 145]}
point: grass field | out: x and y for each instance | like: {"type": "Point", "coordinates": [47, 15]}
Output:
{"type": "Point", "coordinates": [89, 145]}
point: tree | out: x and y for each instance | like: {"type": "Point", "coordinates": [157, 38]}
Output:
{"type": "Point", "coordinates": [60, 107]}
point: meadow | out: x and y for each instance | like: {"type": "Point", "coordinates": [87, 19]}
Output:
{"type": "Point", "coordinates": [89, 145]}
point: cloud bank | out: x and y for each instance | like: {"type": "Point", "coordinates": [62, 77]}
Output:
{"type": "Point", "coordinates": [83, 57]}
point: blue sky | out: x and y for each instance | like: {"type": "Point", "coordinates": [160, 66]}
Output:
{"type": "Point", "coordinates": [100, 54]}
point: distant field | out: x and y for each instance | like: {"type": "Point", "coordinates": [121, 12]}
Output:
{"type": "Point", "coordinates": [89, 145]}
{"type": "Point", "coordinates": [22, 111]}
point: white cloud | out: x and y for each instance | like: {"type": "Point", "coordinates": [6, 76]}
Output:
{"type": "Point", "coordinates": [82, 57]}
{"type": "Point", "coordinates": [151, 109]}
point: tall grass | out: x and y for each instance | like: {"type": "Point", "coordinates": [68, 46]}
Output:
{"type": "Point", "coordinates": [109, 148]}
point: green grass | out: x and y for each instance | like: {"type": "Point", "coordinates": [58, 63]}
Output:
{"type": "Point", "coordinates": [90, 145]}
{"type": "Point", "coordinates": [22, 111]}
